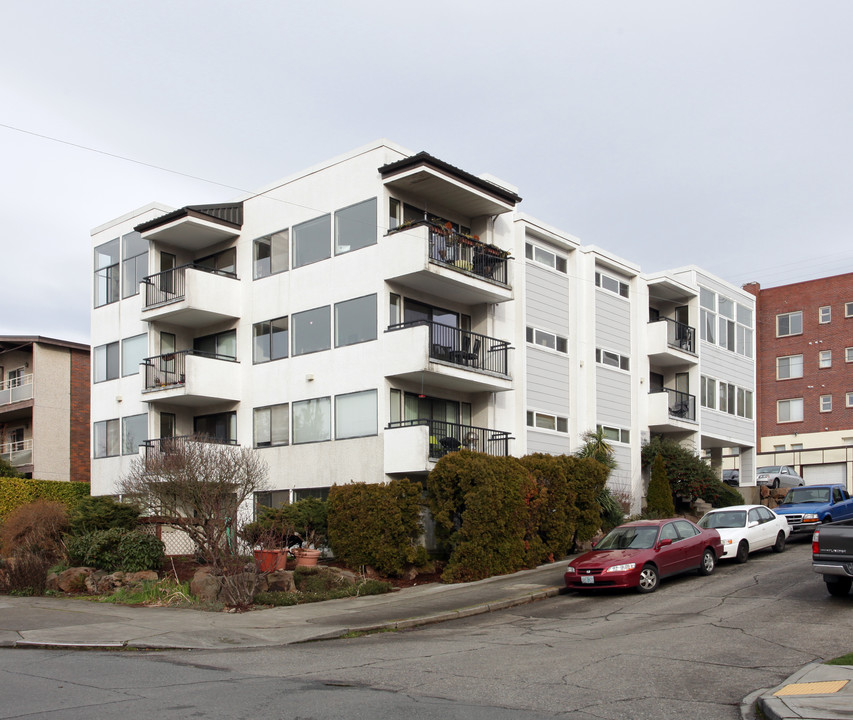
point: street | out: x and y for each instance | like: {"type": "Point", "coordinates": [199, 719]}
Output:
{"type": "Point", "coordinates": [693, 649]}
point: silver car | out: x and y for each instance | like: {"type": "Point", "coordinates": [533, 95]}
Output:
{"type": "Point", "coordinates": [778, 476]}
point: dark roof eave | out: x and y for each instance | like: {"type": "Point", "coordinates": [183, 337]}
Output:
{"type": "Point", "coordinates": [424, 158]}
{"type": "Point", "coordinates": [23, 340]}
{"type": "Point", "coordinates": [202, 212]}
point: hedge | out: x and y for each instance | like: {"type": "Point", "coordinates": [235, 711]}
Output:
{"type": "Point", "coordinates": [15, 492]}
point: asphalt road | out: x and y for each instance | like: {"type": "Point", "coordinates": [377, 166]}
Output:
{"type": "Point", "coordinates": [694, 649]}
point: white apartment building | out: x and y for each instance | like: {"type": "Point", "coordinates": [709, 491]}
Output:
{"type": "Point", "coordinates": [361, 319]}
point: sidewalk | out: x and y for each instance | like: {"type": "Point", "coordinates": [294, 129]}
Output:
{"type": "Point", "coordinates": [816, 691]}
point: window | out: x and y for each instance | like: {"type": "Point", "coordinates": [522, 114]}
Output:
{"type": "Point", "coordinates": [106, 273]}
{"type": "Point", "coordinates": [312, 420]}
{"type": "Point", "coordinates": [272, 425]}
{"type": "Point", "coordinates": [221, 346]}
{"type": "Point", "coordinates": [779, 448]}
{"type": "Point", "coordinates": [725, 322]}
{"type": "Point", "coordinates": [789, 410]}
{"type": "Point", "coordinates": [826, 403]}
{"type": "Point", "coordinates": [311, 241]}
{"type": "Point", "coordinates": [355, 321]}
{"type": "Point", "coordinates": [545, 257]}
{"type": "Point", "coordinates": [395, 213]}
{"type": "Point", "coordinates": [708, 392]}
{"type": "Point", "coordinates": [848, 309]}
{"type": "Point", "coordinates": [849, 399]}
{"type": "Point", "coordinates": [615, 434]}
{"type": "Point", "coordinates": [134, 255]}
{"type": "Point", "coordinates": [106, 362]}
{"type": "Point", "coordinates": [546, 339]}
{"type": "Point", "coordinates": [134, 430]}
{"type": "Point", "coordinates": [848, 354]}
{"type": "Point", "coordinates": [545, 421]}
{"type": "Point", "coordinates": [824, 359]}
{"type": "Point", "coordinates": [727, 398]}
{"type": "Point", "coordinates": [272, 254]}
{"type": "Point", "coordinates": [311, 331]}
{"type": "Point", "coordinates": [218, 427]}
{"type": "Point", "coordinates": [269, 340]}
{"type": "Point", "coordinates": [606, 282]}
{"type": "Point", "coordinates": [133, 352]}
{"type": "Point", "coordinates": [356, 415]}
{"type": "Point", "coordinates": [355, 227]}
{"type": "Point", "coordinates": [612, 359]}
{"type": "Point", "coordinates": [394, 304]}
{"type": "Point", "coordinates": [789, 324]}
{"type": "Point", "coordinates": [744, 403]}
{"type": "Point", "coordinates": [796, 446]}
{"type": "Point", "coordinates": [789, 367]}
{"type": "Point", "coordinates": [222, 263]}
{"type": "Point", "coordinates": [824, 314]}
{"type": "Point", "coordinates": [106, 438]}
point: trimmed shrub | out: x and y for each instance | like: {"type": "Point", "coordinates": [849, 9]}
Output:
{"type": "Point", "coordinates": [377, 525]}
{"type": "Point", "coordinates": [101, 512]}
{"type": "Point", "coordinates": [659, 497]}
{"type": "Point", "coordinates": [116, 549]}
{"type": "Point", "coordinates": [553, 509]}
{"type": "Point", "coordinates": [15, 492]}
{"type": "Point", "coordinates": [715, 492]}
{"type": "Point", "coordinates": [38, 528]}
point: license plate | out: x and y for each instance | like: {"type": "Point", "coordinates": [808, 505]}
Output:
{"type": "Point", "coordinates": [587, 579]}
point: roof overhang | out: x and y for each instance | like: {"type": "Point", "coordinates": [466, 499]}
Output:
{"type": "Point", "coordinates": [196, 226]}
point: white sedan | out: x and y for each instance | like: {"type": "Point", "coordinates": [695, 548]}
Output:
{"type": "Point", "coordinates": [745, 528]}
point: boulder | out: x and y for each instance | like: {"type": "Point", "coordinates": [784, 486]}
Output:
{"type": "Point", "coordinates": [73, 580]}
{"type": "Point", "coordinates": [205, 585]}
{"type": "Point", "coordinates": [137, 578]}
{"type": "Point", "coordinates": [280, 581]}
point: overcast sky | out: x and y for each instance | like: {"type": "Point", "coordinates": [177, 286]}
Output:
{"type": "Point", "coordinates": [716, 133]}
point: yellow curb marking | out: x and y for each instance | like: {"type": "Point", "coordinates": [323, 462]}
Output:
{"type": "Point", "coordinates": [813, 688]}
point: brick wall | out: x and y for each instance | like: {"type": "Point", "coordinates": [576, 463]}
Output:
{"type": "Point", "coordinates": [80, 462]}
{"type": "Point", "coordinates": [836, 335]}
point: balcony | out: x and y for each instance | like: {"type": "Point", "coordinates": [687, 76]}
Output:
{"type": "Point", "coordinates": [671, 411]}
{"type": "Point", "coordinates": [191, 378]}
{"type": "Point", "coordinates": [415, 445]}
{"type": "Point", "coordinates": [195, 227]}
{"type": "Point", "coordinates": [441, 356]}
{"type": "Point", "coordinates": [16, 390]}
{"type": "Point", "coordinates": [191, 296]}
{"type": "Point", "coordinates": [174, 445]}
{"type": "Point", "coordinates": [671, 343]}
{"type": "Point", "coordinates": [434, 260]}
{"type": "Point", "coordinates": [17, 453]}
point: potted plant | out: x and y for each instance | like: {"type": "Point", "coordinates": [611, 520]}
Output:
{"type": "Point", "coordinates": [270, 537]}
{"type": "Point", "coordinates": [309, 518]}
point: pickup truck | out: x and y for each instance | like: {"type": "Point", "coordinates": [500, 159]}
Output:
{"type": "Point", "coordinates": [805, 507]}
{"type": "Point", "coordinates": [832, 556]}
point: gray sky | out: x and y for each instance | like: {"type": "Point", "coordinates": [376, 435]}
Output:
{"type": "Point", "coordinates": [715, 133]}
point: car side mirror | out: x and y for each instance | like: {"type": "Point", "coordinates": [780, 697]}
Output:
{"type": "Point", "coordinates": [665, 542]}
{"type": "Point", "coordinates": [753, 523]}
{"type": "Point", "coordinates": [594, 543]}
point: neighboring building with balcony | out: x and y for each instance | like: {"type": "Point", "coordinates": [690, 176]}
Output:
{"type": "Point", "coordinates": [362, 319]}
{"type": "Point", "coordinates": [44, 407]}
{"type": "Point", "coordinates": [805, 371]}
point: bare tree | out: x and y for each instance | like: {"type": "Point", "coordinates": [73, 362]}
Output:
{"type": "Point", "coordinates": [198, 487]}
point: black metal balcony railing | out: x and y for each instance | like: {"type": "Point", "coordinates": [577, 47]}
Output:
{"type": "Point", "coordinates": [682, 405]}
{"type": "Point", "coordinates": [679, 335]}
{"type": "Point", "coordinates": [169, 370]}
{"type": "Point", "coordinates": [463, 252]}
{"type": "Point", "coordinates": [170, 285]}
{"type": "Point", "coordinates": [172, 445]}
{"type": "Point", "coordinates": [463, 347]}
{"type": "Point", "coordinates": [445, 437]}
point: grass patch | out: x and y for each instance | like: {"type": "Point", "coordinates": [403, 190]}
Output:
{"type": "Point", "coordinates": [166, 592]}
{"type": "Point", "coordinates": [311, 593]}
{"type": "Point", "coordinates": [843, 660]}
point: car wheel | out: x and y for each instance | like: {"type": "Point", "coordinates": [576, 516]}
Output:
{"type": "Point", "coordinates": [709, 562]}
{"type": "Point", "coordinates": [648, 579]}
{"type": "Point", "coordinates": [742, 552]}
{"type": "Point", "coordinates": [827, 519]}
{"type": "Point", "coordinates": [839, 588]}
{"type": "Point", "coordinates": [775, 483]}
{"type": "Point", "coordinates": [779, 545]}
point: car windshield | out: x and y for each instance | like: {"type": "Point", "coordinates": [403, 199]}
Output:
{"type": "Point", "coordinates": [768, 469]}
{"type": "Point", "coordinates": [806, 495]}
{"type": "Point", "coordinates": [629, 536]}
{"type": "Point", "coordinates": [725, 519]}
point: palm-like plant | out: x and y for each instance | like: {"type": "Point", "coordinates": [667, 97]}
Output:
{"type": "Point", "coordinates": [595, 446]}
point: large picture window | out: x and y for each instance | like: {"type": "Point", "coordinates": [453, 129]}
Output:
{"type": "Point", "coordinates": [312, 421]}
{"type": "Point", "coordinates": [355, 321]}
{"type": "Point", "coordinates": [105, 438]}
{"type": "Point", "coordinates": [356, 414]}
{"type": "Point", "coordinates": [134, 431]}
{"type": "Point", "coordinates": [312, 241]}
{"type": "Point", "coordinates": [222, 346]}
{"type": "Point", "coordinates": [312, 331]}
{"type": "Point", "coordinates": [272, 425]}
{"type": "Point", "coordinates": [272, 254]}
{"type": "Point", "coordinates": [134, 255]}
{"type": "Point", "coordinates": [106, 362]}
{"type": "Point", "coordinates": [106, 273]}
{"type": "Point", "coordinates": [355, 227]}
{"type": "Point", "coordinates": [133, 352]}
{"type": "Point", "coordinates": [270, 340]}
{"type": "Point", "coordinates": [217, 427]}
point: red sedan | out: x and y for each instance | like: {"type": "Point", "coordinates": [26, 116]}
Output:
{"type": "Point", "coordinates": [638, 554]}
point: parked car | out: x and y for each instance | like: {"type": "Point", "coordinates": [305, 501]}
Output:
{"type": "Point", "coordinates": [747, 528]}
{"type": "Point", "coordinates": [731, 477]}
{"type": "Point", "coordinates": [778, 476]}
{"type": "Point", "coordinates": [638, 554]}
{"type": "Point", "coordinates": [805, 507]}
{"type": "Point", "coordinates": [832, 556]}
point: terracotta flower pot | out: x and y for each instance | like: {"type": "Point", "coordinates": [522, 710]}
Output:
{"type": "Point", "coordinates": [306, 557]}
{"type": "Point", "coordinates": [270, 560]}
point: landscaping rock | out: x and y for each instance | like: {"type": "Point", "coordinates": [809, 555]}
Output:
{"type": "Point", "coordinates": [280, 581]}
{"type": "Point", "coordinates": [72, 580]}
{"type": "Point", "coordinates": [137, 578]}
{"type": "Point", "coordinates": [205, 585]}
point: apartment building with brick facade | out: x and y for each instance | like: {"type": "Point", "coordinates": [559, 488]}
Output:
{"type": "Point", "coordinates": [805, 376]}
{"type": "Point", "coordinates": [44, 407]}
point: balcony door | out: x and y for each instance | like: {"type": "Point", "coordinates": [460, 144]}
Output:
{"type": "Point", "coordinates": [219, 427]}
{"type": "Point", "coordinates": [436, 409]}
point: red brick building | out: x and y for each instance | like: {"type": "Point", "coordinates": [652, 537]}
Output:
{"type": "Point", "coordinates": [805, 376]}
{"type": "Point", "coordinates": [44, 407]}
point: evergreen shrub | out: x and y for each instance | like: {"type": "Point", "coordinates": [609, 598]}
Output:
{"type": "Point", "coordinates": [116, 549]}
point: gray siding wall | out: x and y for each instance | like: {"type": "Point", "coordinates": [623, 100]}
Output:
{"type": "Point", "coordinates": [554, 444]}
{"type": "Point", "coordinates": [547, 381]}
{"type": "Point", "coordinates": [612, 322]}
{"type": "Point", "coordinates": [547, 299]}
{"type": "Point", "coordinates": [620, 478]}
{"type": "Point", "coordinates": [725, 365]}
{"type": "Point", "coordinates": [612, 397]}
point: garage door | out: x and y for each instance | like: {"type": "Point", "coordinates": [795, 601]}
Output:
{"type": "Point", "coordinates": [822, 474]}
